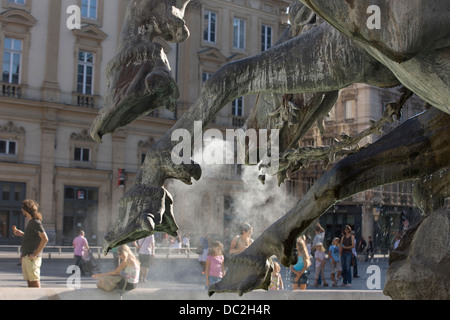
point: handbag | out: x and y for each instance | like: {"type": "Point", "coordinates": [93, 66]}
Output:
{"type": "Point", "coordinates": [109, 283]}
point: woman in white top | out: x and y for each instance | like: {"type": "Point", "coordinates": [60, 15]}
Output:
{"type": "Point", "coordinates": [129, 268]}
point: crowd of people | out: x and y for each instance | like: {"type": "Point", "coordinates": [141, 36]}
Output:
{"type": "Point", "coordinates": [213, 258]}
{"type": "Point", "coordinates": [128, 270]}
{"type": "Point", "coordinates": [341, 254]}
{"type": "Point", "coordinates": [212, 255]}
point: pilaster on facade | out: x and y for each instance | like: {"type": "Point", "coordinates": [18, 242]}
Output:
{"type": "Point", "coordinates": [49, 128]}
{"type": "Point", "coordinates": [50, 87]}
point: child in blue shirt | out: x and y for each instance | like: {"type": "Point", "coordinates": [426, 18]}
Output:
{"type": "Point", "coordinates": [335, 259]}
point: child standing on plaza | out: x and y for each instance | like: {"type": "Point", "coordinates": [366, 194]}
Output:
{"type": "Point", "coordinates": [335, 259]}
{"type": "Point", "coordinates": [215, 267]}
{"type": "Point", "coordinates": [319, 257]}
{"type": "Point", "coordinates": [299, 271]}
{"type": "Point", "coordinates": [276, 282]}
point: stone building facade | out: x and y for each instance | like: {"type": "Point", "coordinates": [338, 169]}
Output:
{"type": "Point", "coordinates": [52, 86]}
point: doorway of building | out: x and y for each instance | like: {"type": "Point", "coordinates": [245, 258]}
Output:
{"type": "Point", "coordinates": [336, 218]}
{"type": "Point", "coordinates": [80, 213]}
{"type": "Point", "coordinates": [12, 195]}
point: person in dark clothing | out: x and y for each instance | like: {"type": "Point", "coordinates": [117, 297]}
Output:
{"type": "Point", "coordinates": [347, 244]}
{"type": "Point", "coordinates": [33, 243]}
{"type": "Point", "coordinates": [370, 250]}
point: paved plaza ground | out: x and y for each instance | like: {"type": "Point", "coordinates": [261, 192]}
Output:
{"type": "Point", "coordinates": [176, 272]}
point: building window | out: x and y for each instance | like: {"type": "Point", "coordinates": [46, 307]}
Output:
{"type": "Point", "coordinates": [266, 37]}
{"type": "Point", "coordinates": [205, 76]}
{"type": "Point", "coordinates": [8, 148]}
{"type": "Point", "coordinates": [89, 9]}
{"type": "Point", "coordinates": [83, 151]}
{"type": "Point", "coordinates": [11, 142]}
{"type": "Point", "coordinates": [308, 143]}
{"type": "Point", "coordinates": [17, 1]}
{"type": "Point", "coordinates": [239, 33]}
{"type": "Point", "coordinates": [210, 27]}
{"type": "Point", "coordinates": [307, 184]}
{"type": "Point", "coordinates": [82, 155]}
{"type": "Point", "coordinates": [292, 187]}
{"type": "Point", "coordinates": [237, 107]}
{"type": "Point", "coordinates": [12, 56]}
{"type": "Point", "coordinates": [331, 115]}
{"type": "Point", "coordinates": [143, 147]}
{"type": "Point", "coordinates": [329, 141]}
{"type": "Point", "coordinates": [17, 4]}
{"type": "Point", "coordinates": [349, 110]}
{"type": "Point", "coordinates": [85, 78]}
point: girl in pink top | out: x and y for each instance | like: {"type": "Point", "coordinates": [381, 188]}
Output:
{"type": "Point", "coordinates": [215, 267]}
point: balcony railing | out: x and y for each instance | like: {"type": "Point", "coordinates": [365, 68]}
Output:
{"type": "Point", "coordinates": [11, 90]}
{"type": "Point", "coordinates": [238, 122]}
{"type": "Point", "coordinates": [17, 91]}
{"type": "Point", "coordinates": [389, 197]}
{"type": "Point", "coordinates": [84, 100]}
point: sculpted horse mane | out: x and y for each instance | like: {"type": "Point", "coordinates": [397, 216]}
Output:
{"type": "Point", "coordinates": [298, 81]}
{"type": "Point", "coordinates": [139, 77]}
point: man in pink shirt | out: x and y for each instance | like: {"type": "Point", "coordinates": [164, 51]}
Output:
{"type": "Point", "coordinates": [80, 244]}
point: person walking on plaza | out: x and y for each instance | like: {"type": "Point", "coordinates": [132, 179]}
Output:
{"type": "Point", "coordinates": [215, 266]}
{"type": "Point", "coordinates": [186, 244]}
{"type": "Point", "coordinates": [33, 243]}
{"type": "Point", "coordinates": [319, 257]}
{"type": "Point", "coordinates": [335, 260]}
{"type": "Point", "coordinates": [80, 244]}
{"type": "Point", "coordinates": [202, 251]}
{"type": "Point", "coordinates": [146, 250]}
{"type": "Point", "coordinates": [362, 249]}
{"type": "Point", "coordinates": [370, 249]}
{"type": "Point", "coordinates": [300, 272]}
{"type": "Point", "coordinates": [347, 244]}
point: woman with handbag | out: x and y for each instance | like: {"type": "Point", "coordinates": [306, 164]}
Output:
{"type": "Point", "coordinates": [125, 277]}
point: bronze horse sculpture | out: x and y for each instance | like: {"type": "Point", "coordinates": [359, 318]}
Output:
{"type": "Point", "coordinates": [337, 52]}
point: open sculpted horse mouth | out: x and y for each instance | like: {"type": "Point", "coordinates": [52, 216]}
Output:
{"type": "Point", "coordinates": [330, 47]}
{"type": "Point", "coordinates": [147, 207]}
{"type": "Point", "coordinates": [143, 210]}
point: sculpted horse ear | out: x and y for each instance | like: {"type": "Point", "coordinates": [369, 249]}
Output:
{"type": "Point", "coordinates": [182, 4]}
{"type": "Point", "coordinates": [176, 11]}
{"type": "Point", "coordinates": [300, 15]}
